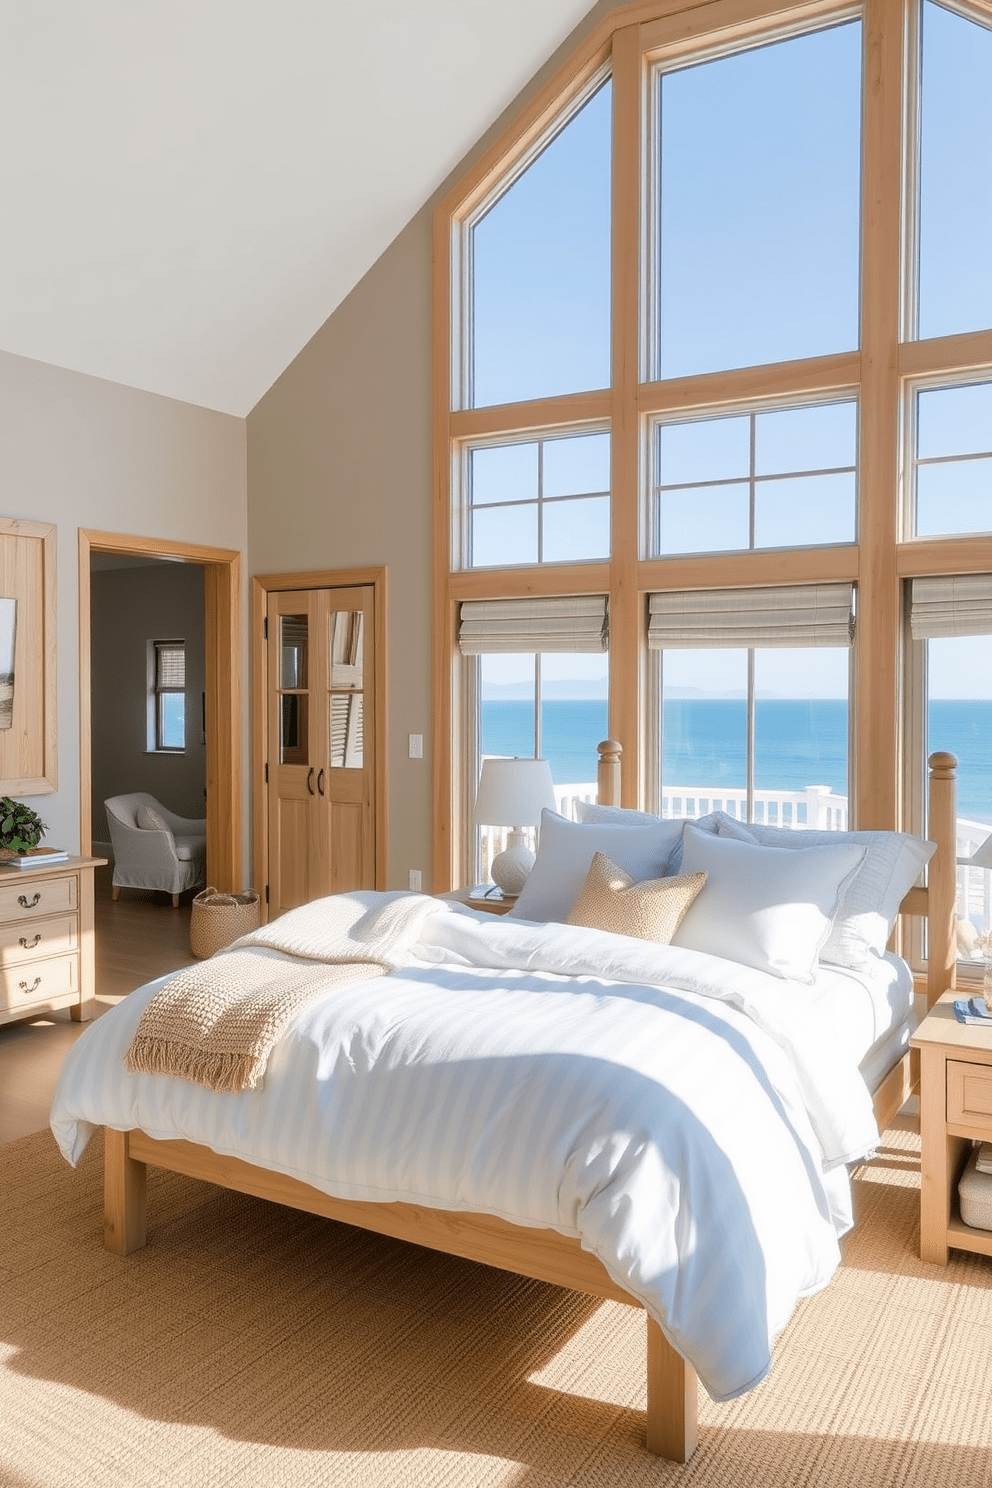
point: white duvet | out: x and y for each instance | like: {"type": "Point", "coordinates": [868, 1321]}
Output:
{"type": "Point", "coordinates": [678, 1113]}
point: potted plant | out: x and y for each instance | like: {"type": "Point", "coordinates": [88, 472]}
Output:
{"type": "Point", "coordinates": [21, 829]}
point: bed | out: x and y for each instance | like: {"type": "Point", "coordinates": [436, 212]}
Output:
{"type": "Point", "coordinates": [600, 1009]}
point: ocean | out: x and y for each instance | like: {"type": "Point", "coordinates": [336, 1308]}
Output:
{"type": "Point", "coordinates": [797, 743]}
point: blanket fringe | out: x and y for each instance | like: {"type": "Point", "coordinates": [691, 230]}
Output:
{"type": "Point", "coordinates": [226, 1072]}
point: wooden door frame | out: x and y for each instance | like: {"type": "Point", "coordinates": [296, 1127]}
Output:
{"type": "Point", "coordinates": [328, 578]}
{"type": "Point", "coordinates": [222, 656]}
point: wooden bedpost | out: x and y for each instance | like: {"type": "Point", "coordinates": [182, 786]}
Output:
{"type": "Point", "coordinates": [942, 876]}
{"type": "Point", "coordinates": [124, 1223]}
{"type": "Point", "coordinates": [608, 773]}
{"type": "Point", "coordinates": [672, 1391]}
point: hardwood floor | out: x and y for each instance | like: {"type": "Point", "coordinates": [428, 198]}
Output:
{"type": "Point", "coordinates": [137, 938]}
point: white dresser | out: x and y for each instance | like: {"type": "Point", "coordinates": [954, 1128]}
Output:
{"type": "Point", "coordinates": [47, 939]}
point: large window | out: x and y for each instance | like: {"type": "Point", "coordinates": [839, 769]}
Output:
{"type": "Point", "coordinates": [950, 665]}
{"type": "Point", "coordinates": [715, 325]}
{"type": "Point", "coordinates": [538, 501]}
{"type": "Point", "coordinates": [539, 294]}
{"type": "Point", "coordinates": [536, 682]}
{"type": "Point", "coordinates": [781, 478]}
{"type": "Point", "coordinates": [955, 162]}
{"type": "Point", "coordinates": [752, 703]}
{"type": "Point", "coordinates": [954, 459]}
{"type": "Point", "coordinates": [758, 204]}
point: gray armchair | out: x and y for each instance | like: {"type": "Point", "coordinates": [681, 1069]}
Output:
{"type": "Point", "coordinates": [153, 847]}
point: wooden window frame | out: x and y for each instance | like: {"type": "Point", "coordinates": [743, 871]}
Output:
{"type": "Point", "coordinates": [632, 41]}
{"type": "Point", "coordinates": [156, 698]}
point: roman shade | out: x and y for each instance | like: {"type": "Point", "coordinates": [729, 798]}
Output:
{"type": "Point", "coordinates": [170, 666]}
{"type": "Point", "coordinates": [951, 605]}
{"type": "Point", "coordinates": [572, 623]}
{"type": "Point", "coordinates": [792, 615]}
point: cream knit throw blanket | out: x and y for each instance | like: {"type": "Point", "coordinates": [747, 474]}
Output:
{"type": "Point", "coordinates": [216, 1023]}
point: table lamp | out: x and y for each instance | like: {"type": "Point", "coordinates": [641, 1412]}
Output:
{"type": "Point", "coordinates": [513, 793]}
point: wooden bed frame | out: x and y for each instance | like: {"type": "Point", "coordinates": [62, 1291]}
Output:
{"type": "Point", "coordinates": [542, 1254]}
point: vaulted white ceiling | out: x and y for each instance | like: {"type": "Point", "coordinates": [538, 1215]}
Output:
{"type": "Point", "coordinates": [190, 187]}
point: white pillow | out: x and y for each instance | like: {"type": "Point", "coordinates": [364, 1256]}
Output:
{"type": "Point", "coordinates": [149, 820]}
{"type": "Point", "coordinates": [766, 907]}
{"type": "Point", "coordinates": [567, 848]}
{"type": "Point", "coordinates": [893, 861]}
{"type": "Point", "coordinates": [590, 811]}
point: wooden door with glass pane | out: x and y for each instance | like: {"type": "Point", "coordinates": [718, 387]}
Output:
{"type": "Point", "coordinates": [321, 735]}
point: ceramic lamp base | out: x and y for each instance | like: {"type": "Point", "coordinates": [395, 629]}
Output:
{"type": "Point", "coordinates": [511, 867]}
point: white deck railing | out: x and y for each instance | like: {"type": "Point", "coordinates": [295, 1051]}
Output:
{"type": "Point", "coordinates": [815, 807]}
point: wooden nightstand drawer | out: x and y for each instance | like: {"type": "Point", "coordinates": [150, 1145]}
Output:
{"type": "Point", "coordinates": [23, 943]}
{"type": "Point", "coordinates": [969, 1096]}
{"type": "Point", "coordinates": [40, 981]}
{"type": "Point", "coordinates": [33, 897]}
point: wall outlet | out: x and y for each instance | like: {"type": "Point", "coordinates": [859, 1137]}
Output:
{"type": "Point", "coordinates": [415, 880]}
{"type": "Point", "coordinates": [416, 746]}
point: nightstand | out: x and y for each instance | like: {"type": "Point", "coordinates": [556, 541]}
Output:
{"type": "Point", "coordinates": [477, 898]}
{"type": "Point", "coordinates": [955, 1110]}
{"type": "Point", "coordinates": [46, 939]}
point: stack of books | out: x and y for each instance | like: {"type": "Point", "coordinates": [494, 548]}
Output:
{"type": "Point", "coordinates": [37, 857]}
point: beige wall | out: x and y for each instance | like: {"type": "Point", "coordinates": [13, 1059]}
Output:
{"type": "Point", "coordinates": [339, 475]}
{"type": "Point", "coordinates": [80, 452]}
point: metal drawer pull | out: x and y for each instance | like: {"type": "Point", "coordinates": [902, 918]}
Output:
{"type": "Point", "coordinates": [320, 781]}
{"type": "Point", "coordinates": [34, 985]}
{"type": "Point", "coordinates": [23, 942]}
{"type": "Point", "coordinates": [27, 903]}
{"type": "Point", "coordinates": [310, 780]}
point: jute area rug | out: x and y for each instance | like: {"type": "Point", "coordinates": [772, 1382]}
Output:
{"type": "Point", "coordinates": [249, 1344]}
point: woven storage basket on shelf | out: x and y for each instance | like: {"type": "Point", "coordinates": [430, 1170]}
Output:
{"type": "Point", "coordinates": [217, 919]}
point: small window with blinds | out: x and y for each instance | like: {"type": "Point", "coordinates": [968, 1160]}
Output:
{"type": "Point", "coordinates": [951, 708]}
{"type": "Point", "coordinates": [773, 478]}
{"type": "Point", "coordinates": [752, 703]}
{"type": "Point", "coordinates": [168, 696]}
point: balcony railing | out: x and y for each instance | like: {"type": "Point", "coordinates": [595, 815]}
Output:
{"type": "Point", "coordinates": [814, 807]}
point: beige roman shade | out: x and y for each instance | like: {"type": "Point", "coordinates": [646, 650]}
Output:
{"type": "Point", "coordinates": [792, 615]}
{"type": "Point", "coordinates": [951, 605]}
{"type": "Point", "coordinates": [573, 623]}
{"type": "Point", "coordinates": [170, 666]}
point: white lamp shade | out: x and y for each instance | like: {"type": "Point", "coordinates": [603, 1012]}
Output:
{"type": "Point", "coordinates": [513, 792]}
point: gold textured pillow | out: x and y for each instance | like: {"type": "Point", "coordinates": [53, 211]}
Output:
{"type": "Point", "coordinates": [651, 910]}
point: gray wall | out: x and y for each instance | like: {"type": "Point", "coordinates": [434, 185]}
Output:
{"type": "Point", "coordinates": [129, 608]}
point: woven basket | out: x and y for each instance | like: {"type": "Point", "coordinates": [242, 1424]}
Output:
{"type": "Point", "coordinates": [217, 919]}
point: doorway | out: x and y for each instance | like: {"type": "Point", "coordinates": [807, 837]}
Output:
{"type": "Point", "coordinates": [221, 719]}
{"type": "Point", "coordinates": [318, 660]}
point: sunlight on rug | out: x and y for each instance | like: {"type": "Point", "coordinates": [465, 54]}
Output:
{"type": "Point", "coordinates": [252, 1345]}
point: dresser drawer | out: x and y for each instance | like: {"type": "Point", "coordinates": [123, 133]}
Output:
{"type": "Point", "coordinates": [969, 1096]}
{"type": "Point", "coordinates": [36, 897]}
{"type": "Point", "coordinates": [21, 943]}
{"type": "Point", "coordinates": [39, 981]}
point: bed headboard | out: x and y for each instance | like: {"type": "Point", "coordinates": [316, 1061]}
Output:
{"type": "Point", "coordinates": [936, 902]}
